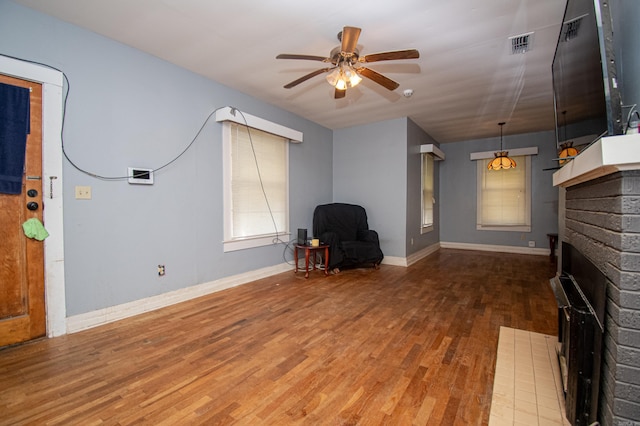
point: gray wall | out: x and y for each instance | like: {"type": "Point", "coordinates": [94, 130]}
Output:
{"type": "Point", "coordinates": [416, 137]}
{"type": "Point", "coordinates": [458, 192]}
{"type": "Point", "coordinates": [127, 108]}
{"type": "Point", "coordinates": [369, 169]}
{"type": "Point", "coordinates": [378, 166]}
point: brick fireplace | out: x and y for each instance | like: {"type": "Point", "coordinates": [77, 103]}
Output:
{"type": "Point", "coordinates": [600, 217]}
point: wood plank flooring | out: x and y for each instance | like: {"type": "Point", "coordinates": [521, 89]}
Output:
{"type": "Point", "coordinates": [395, 346]}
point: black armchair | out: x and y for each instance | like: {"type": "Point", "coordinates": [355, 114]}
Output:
{"type": "Point", "coordinates": [345, 229]}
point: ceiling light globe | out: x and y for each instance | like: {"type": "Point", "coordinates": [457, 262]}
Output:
{"type": "Point", "coordinates": [351, 76]}
{"type": "Point", "coordinates": [355, 79]}
{"type": "Point", "coordinates": [333, 76]}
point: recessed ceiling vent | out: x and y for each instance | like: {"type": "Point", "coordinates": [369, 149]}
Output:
{"type": "Point", "coordinates": [571, 28]}
{"type": "Point", "coordinates": [521, 43]}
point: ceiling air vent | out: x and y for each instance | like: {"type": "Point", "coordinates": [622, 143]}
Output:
{"type": "Point", "coordinates": [570, 28]}
{"type": "Point", "coordinates": [521, 43]}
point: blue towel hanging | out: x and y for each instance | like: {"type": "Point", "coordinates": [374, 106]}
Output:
{"type": "Point", "coordinates": [14, 128]}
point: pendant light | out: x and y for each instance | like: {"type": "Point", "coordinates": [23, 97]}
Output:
{"type": "Point", "coordinates": [567, 151]}
{"type": "Point", "coordinates": [502, 160]}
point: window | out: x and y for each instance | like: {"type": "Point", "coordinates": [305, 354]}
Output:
{"type": "Point", "coordinates": [427, 192]}
{"type": "Point", "coordinates": [504, 196]}
{"type": "Point", "coordinates": [256, 195]}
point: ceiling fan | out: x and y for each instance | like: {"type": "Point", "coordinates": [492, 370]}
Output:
{"type": "Point", "coordinates": [346, 69]}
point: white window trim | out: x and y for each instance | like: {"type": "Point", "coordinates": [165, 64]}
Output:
{"type": "Point", "coordinates": [509, 228]}
{"type": "Point", "coordinates": [517, 152]}
{"type": "Point", "coordinates": [234, 244]}
{"type": "Point", "coordinates": [246, 119]}
{"type": "Point", "coordinates": [426, 228]}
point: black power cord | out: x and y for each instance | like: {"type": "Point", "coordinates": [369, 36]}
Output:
{"type": "Point", "coordinates": [276, 239]}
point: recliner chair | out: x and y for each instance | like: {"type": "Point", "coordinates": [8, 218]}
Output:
{"type": "Point", "coordinates": [345, 229]}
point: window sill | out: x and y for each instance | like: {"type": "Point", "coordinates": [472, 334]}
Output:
{"type": "Point", "coordinates": [518, 228]}
{"type": "Point", "coordinates": [253, 242]}
{"type": "Point", "coordinates": [426, 229]}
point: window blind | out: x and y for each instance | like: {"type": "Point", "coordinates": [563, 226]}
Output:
{"type": "Point", "coordinates": [504, 195]}
{"type": "Point", "coordinates": [258, 183]}
{"type": "Point", "coordinates": [427, 190]}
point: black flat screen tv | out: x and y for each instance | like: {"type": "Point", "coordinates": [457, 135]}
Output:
{"type": "Point", "coordinates": [586, 97]}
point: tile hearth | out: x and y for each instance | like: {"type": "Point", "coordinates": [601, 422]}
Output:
{"type": "Point", "coordinates": [527, 388]}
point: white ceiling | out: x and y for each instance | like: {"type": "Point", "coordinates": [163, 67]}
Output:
{"type": "Point", "coordinates": [465, 81]}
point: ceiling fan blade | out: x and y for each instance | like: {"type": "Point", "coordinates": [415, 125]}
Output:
{"type": "Point", "coordinates": [390, 56]}
{"type": "Point", "coordinates": [350, 37]}
{"type": "Point", "coordinates": [305, 57]}
{"type": "Point", "coordinates": [305, 78]}
{"type": "Point", "coordinates": [378, 78]}
{"type": "Point", "coordinates": [339, 94]}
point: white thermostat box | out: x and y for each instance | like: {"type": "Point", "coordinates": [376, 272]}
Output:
{"type": "Point", "coordinates": [138, 175]}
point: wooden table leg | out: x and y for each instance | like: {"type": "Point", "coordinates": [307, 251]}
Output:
{"type": "Point", "coordinates": [295, 259]}
{"type": "Point", "coordinates": [326, 260]}
{"type": "Point", "coordinates": [306, 262]}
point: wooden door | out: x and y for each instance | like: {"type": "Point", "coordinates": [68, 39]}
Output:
{"type": "Point", "coordinates": [22, 308]}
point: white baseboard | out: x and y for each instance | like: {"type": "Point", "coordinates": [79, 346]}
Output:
{"type": "Point", "coordinates": [114, 313]}
{"type": "Point", "coordinates": [495, 248]}
{"type": "Point", "coordinates": [412, 258]}
{"type": "Point", "coordinates": [394, 261]}
{"type": "Point", "coordinates": [419, 255]}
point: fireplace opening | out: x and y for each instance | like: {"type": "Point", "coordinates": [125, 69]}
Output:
{"type": "Point", "coordinates": [580, 291]}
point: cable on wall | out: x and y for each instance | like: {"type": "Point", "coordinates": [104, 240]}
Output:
{"type": "Point", "coordinates": [64, 113]}
{"type": "Point", "coordinates": [234, 110]}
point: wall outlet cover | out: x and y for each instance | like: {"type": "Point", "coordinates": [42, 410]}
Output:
{"type": "Point", "coordinates": [83, 192]}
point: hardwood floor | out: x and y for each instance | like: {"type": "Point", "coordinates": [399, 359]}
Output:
{"type": "Point", "coordinates": [393, 346]}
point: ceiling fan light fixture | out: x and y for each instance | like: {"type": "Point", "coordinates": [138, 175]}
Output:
{"type": "Point", "coordinates": [333, 76]}
{"type": "Point", "coordinates": [343, 77]}
{"type": "Point", "coordinates": [346, 68]}
{"type": "Point", "coordinates": [353, 77]}
{"type": "Point", "coordinates": [501, 160]}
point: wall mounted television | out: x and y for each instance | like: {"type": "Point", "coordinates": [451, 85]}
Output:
{"type": "Point", "coordinates": [586, 97]}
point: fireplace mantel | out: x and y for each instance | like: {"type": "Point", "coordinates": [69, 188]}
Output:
{"type": "Point", "coordinates": [606, 156]}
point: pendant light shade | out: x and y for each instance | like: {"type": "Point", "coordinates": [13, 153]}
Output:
{"type": "Point", "coordinates": [567, 152]}
{"type": "Point", "coordinates": [501, 160]}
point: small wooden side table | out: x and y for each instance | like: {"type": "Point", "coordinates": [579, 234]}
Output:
{"type": "Point", "coordinates": [308, 250]}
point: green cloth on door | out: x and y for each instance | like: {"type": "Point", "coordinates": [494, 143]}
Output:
{"type": "Point", "coordinates": [33, 228]}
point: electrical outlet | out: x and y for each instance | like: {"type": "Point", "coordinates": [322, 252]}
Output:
{"type": "Point", "coordinates": [83, 192]}
{"type": "Point", "coordinates": [161, 270]}
{"type": "Point", "coordinates": [532, 243]}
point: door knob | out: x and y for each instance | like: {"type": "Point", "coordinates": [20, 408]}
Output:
{"type": "Point", "coordinates": [32, 193]}
{"type": "Point", "coordinates": [32, 205]}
